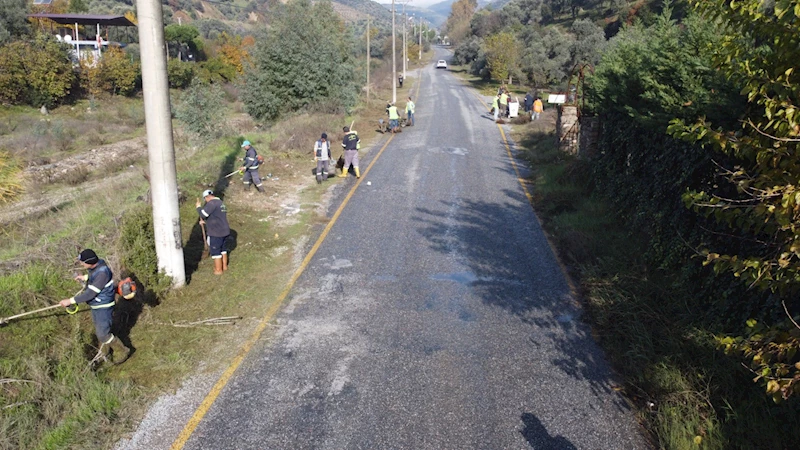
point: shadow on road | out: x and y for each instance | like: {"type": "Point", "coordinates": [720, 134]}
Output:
{"type": "Point", "coordinates": [538, 437]}
{"type": "Point", "coordinates": [513, 268]}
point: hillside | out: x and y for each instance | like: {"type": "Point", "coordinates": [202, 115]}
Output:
{"type": "Point", "coordinates": [370, 7]}
{"type": "Point", "coordinates": [435, 18]}
{"type": "Point", "coordinates": [236, 13]}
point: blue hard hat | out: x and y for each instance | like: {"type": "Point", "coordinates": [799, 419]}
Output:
{"type": "Point", "coordinates": [245, 143]}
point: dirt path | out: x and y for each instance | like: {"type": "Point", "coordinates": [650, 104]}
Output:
{"type": "Point", "coordinates": [110, 158]}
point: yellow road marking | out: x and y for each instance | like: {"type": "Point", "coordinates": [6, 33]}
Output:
{"type": "Point", "coordinates": [209, 400]}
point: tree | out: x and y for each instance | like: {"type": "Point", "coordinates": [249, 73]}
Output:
{"type": "Point", "coordinates": [13, 19]}
{"type": "Point", "coordinates": [202, 110]}
{"type": "Point", "coordinates": [233, 50]}
{"type": "Point", "coordinates": [467, 51]}
{"type": "Point", "coordinates": [304, 61]}
{"type": "Point", "coordinates": [658, 73]}
{"type": "Point", "coordinates": [184, 34]}
{"type": "Point", "coordinates": [118, 72]}
{"type": "Point", "coordinates": [502, 55]}
{"type": "Point", "coordinates": [590, 41]}
{"type": "Point", "coordinates": [547, 55]}
{"type": "Point", "coordinates": [37, 73]}
{"type": "Point", "coordinates": [457, 26]}
{"type": "Point", "coordinates": [759, 50]}
{"type": "Point", "coordinates": [77, 6]}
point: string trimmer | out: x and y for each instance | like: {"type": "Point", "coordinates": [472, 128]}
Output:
{"type": "Point", "coordinates": [4, 321]}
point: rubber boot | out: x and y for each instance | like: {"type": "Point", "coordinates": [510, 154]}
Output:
{"type": "Point", "coordinates": [358, 174]}
{"type": "Point", "coordinates": [103, 355]}
{"type": "Point", "coordinates": [120, 351]}
{"type": "Point", "coordinates": [224, 262]}
{"type": "Point", "coordinates": [217, 266]}
{"type": "Point", "coordinates": [344, 173]}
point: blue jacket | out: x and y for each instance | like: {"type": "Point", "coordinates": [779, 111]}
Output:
{"type": "Point", "coordinates": [99, 292]}
{"type": "Point", "coordinates": [251, 159]}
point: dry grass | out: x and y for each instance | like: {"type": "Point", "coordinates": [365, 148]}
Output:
{"type": "Point", "coordinates": [10, 178]}
{"type": "Point", "coordinates": [30, 136]}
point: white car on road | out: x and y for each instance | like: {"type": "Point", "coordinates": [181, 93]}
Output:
{"type": "Point", "coordinates": [441, 64]}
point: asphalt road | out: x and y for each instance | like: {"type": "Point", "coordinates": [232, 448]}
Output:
{"type": "Point", "coordinates": [434, 316]}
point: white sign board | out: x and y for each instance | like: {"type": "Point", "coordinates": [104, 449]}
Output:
{"type": "Point", "coordinates": [513, 109]}
{"type": "Point", "coordinates": [557, 98]}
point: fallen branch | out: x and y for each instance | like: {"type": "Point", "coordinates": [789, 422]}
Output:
{"type": "Point", "coordinates": [231, 320]}
{"type": "Point", "coordinates": [15, 404]}
{"type": "Point", "coordinates": [12, 380]}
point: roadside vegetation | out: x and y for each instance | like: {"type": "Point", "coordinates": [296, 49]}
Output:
{"type": "Point", "coordinates": [680, 225]}
{"type": "Point", "coordinates": [77, 177]}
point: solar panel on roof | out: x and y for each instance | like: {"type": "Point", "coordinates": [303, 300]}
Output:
{"type": "Point", "coordinates": [42, 2]}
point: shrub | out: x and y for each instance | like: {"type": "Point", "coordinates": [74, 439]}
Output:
{"type": "Point", "coordinates": [63, 137]}
{"type": "Point", "coordinates": [180, 73]}
{"type": "Point", "coordinates": [119, 73]}
{"type": "Point", "coordinates": [216, 70]}
{"type": "Point", "coordinates": [37, 73]}
{"type": "Point", "coordinates": [90, 76]}
{"type": "Point", "coordinates": [76, 176]}
{"type": "Point", "coordinates": [137, 250]}
{"type": "Point", "coordinates": [304, 60]}
{"type": "Point", "coordinates": [201, 109]}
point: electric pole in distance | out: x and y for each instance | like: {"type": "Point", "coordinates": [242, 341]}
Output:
{"type": "Point", "coordinates": [394, 60]}
{"type": "Point", "coordinates": [161, 153]}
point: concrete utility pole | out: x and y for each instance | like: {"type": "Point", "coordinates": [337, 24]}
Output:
{"type": "Point", "coordinates": [368, 67]}
{"type": "Point", "coordinates": [161, 153]}
{"type": "Point", "coordinates": [394, 60]}
{"type": "Point", "coordinates": [405, 47]}
{"type": "Point", "coordinates": [420, 40]}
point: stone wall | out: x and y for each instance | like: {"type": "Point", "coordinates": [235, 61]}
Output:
{"type": "Point", "coordinates": [568, 128]}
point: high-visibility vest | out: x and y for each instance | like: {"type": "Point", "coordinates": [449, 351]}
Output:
{"type": "Point", "coordinates": [537, 106]}
{"type": "Point", "coordinates": [503, 99]}
{"type": "Point", "coordinates": [393, 115]}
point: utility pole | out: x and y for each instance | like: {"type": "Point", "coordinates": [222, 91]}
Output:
{"type": "Point", "coordinates": [405, 47]}
{"type": "Point", "coordinates": [420, 40]}
{"type": "Point", "coordinates": [161, 153]}
{"type": "Point", "coordinates": [368, 67]}
{"type": "Point", "coordinates": [394, 60]}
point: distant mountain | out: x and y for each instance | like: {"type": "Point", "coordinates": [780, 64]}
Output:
{"type": "Point", "coordinates": [374, 9]}
{"type": "Point", "coordinates": [442, 8]}
{"type": "Point", "coordinates": [434, 18]}
{"type": "Point", "coordinates": [494, 4]}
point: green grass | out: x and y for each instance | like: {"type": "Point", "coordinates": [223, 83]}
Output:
{"type": "Point", "coordinates": [688, 394]}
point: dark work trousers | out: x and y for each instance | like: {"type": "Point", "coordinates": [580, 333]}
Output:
{"type": "Point", "coordinates": [252, 175]}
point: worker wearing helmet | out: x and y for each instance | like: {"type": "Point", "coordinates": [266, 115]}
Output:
{"type": "Point", "coordinates": [214, 215]}
{"type": "Point", "coordinates": [250, 167]}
